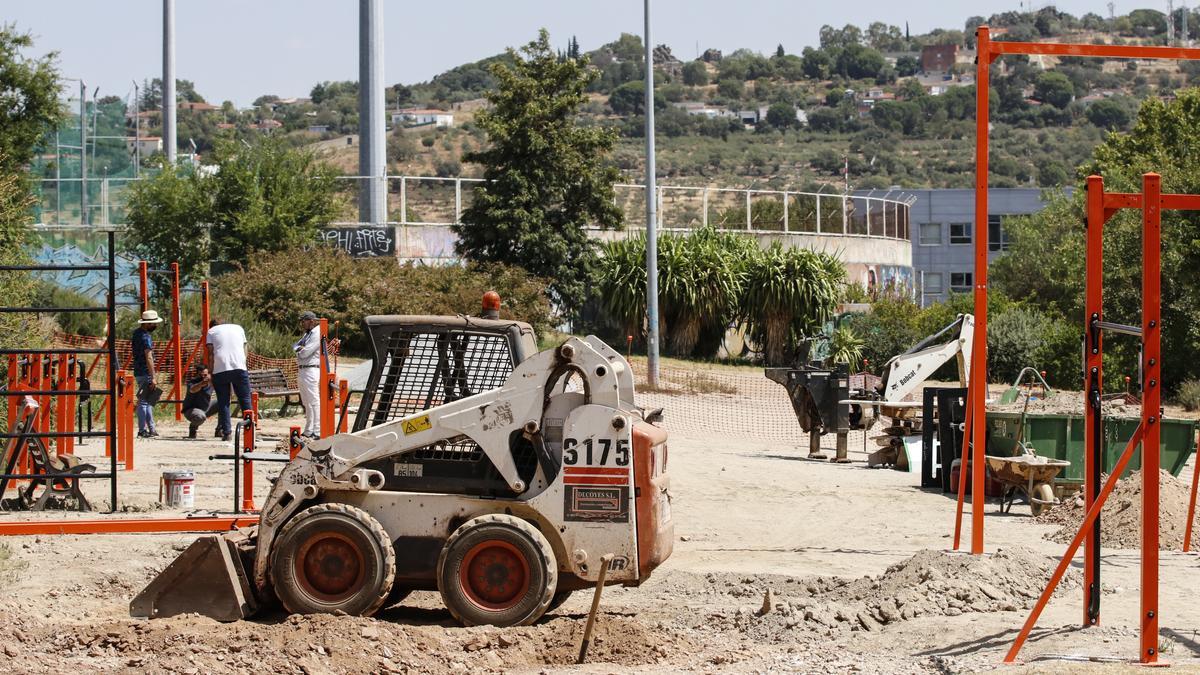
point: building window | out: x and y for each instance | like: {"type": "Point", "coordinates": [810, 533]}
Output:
{"type": "Point", "coordinates": [960, 233]}
{"type": "Point", "coordinates": [960, 282]}
{"type": "Point", "coordinates": [933, 283]}
{"type": "Point", "coordinates": [931, 234]}
{"type": "Point", "coordinates": [997, 235]}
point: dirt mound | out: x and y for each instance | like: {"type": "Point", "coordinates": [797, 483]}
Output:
{"type": "Point", "coordinates": [1121, 519]}
{"type": "Point", "coordinates": [931, 583]}
{"type": "Point", "coordinates": [329, 644]}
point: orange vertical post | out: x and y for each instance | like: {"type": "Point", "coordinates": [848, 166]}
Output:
{"type": "Point", "coordinates": [14, 372]}
{"type": "Point", "coordinates": [343, 403]}
{"type": "Point", "coordinates": [1151, 397]}
{"type": "Point", "coordinates": [248, 432]}
{"type": "Point", "coordinates": [328, 387]}
{"type": "Point", "coordinates": [1191, 516]}
{"type": "Point", "coordinates": [127, 410]}
{"type": "Point", "coordinates": [144, 284]}
{"type": "Point", "coordinates": [1093, 389]}
{"type": "Point", "coordinates": [977, 387]}
{"type": "Point", "coordinates": [176, 343]}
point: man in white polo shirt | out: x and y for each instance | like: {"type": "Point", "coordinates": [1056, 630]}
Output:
{"type": "Point", "coordinates": [226, 348]}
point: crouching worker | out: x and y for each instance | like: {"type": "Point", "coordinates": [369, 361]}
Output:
{"type": "Point", "coordinates": [199, 397]}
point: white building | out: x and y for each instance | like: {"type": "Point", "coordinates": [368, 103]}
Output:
{"type": "Point", "coordinates": [144, 146]}
{"type": "Point", "coordinates": [416, 118]}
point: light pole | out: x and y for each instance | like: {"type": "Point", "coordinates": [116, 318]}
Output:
{"type": "Point", "coordinates": [137, 132]}
{"type": "Point", "coordinates": [651, 218]}
{"type": "Point", "coordinates": [168, 81]}
{"type": "Point", "coordinates": [83, 200]}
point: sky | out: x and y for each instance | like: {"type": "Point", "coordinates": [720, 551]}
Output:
{"type": "Point", "coordinates": [240, 49]}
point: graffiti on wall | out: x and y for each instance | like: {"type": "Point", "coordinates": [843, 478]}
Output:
{"type": "Point", "coordinates": [84, 247]}
{"type": "Point", "coordinates": [362, 242]}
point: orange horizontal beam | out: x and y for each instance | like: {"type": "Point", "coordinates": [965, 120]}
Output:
{"type": "Point", "coordinates": [1106, 51]}
{"type": "Point", "coordinates": [126, 525]}
{"type": "Point", "coordinates": [1122, 200]}
{"type": "Point", "coordinates": [1181, 202]}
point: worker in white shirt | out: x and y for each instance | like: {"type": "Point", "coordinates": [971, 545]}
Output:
{"type": "Point", "coordinates": [309, 372]}
{"type": "Point", "coordinates": [226, 351]}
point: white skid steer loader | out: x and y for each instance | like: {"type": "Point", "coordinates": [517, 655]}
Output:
{"type": "Point", "coordinates": [477, 468]}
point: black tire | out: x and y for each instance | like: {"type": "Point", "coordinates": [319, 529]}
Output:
{"type": "Point", "coordinates": [333, 557]}
{"type": "Point", "coordinates": [497, 570]}
{"type": "Point", "coordinates": [557, 601]}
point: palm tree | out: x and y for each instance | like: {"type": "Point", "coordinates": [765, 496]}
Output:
{"type": "Point", "coordinates": [788, 292]}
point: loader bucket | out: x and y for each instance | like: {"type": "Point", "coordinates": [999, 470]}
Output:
{"type": "Point", "coordinates": [208, 578]}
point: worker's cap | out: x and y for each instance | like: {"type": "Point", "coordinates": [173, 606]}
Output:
{"type": "Point", "coordinates": [308, 316]}
{"type": "Point", "coordinates": [150, 316]}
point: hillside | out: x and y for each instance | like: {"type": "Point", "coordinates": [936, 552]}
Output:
{"type": "Point", "coordinates": [897, 108]}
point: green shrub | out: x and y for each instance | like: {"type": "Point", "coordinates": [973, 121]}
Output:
{"type": "Point", "coordinates": [276, 287]}
{"type": "Point", "coordinates": [1015, 340]}
{"type": "Point", "coordinates": [1189, 395]}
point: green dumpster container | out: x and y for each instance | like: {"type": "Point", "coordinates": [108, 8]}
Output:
{"type": "Point", "coordinates": [1061, 437]}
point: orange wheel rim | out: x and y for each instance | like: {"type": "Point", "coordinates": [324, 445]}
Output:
{"type": "Point", "coordinates": [494, 575]}
{"type": "Point", "coordinates": [330, 566]}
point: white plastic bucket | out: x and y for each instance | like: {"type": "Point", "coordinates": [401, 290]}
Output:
{"type": "Point", "coordinates": [180, 489]}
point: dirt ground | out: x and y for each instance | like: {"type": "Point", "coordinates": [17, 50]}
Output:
{"type": "Point", "coordinates": [759, 527]}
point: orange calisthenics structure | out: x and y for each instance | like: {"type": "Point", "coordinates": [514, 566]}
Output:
{"type": "Point", "coordinates": [46, 375]}
{"type": "Point", "coordinates": [172, 358]}
{"type": "Point", "coordinates": [1101, 206]}
{"type": "Point", "coordinates": [974, 438]}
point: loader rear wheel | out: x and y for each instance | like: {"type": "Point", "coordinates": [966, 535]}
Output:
{"type": "Point", "coordinates": [497, 570]}
{"type": "Point", "coordinates": [333, 557]}
{"type": "Point", "coordinates": [559, 598]}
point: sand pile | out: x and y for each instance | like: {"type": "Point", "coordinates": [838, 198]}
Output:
{"type": "Point", "coordinates": [1064, 403]}
{"type": "Point", "coordinates": [1121, 519]}
{"type": "Point", "coordinates": [930, 583]}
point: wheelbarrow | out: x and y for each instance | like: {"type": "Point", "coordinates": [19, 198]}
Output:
{"type": "Point", "coordinates": [1030, 474]}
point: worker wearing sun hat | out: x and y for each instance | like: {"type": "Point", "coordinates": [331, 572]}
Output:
{"type": "Point", "coordinates": [143, 372]}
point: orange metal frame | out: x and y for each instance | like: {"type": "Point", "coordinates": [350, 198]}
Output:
{"type": "Point", "coordinates": [974, 439]}
{"type": "Point", "coordinates": [126, 525]}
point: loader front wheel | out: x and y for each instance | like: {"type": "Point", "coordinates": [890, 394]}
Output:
{"type": "Point", "coordinates": [498, 570]}
{"type": "Point", "coordinates": [333, 557]}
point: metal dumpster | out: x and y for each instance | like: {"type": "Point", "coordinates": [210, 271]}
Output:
{"type": "Point", "coordinates": [1061, 437]}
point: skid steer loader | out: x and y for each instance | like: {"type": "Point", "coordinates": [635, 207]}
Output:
{"type": "Point", "coordinates": [476, 467]}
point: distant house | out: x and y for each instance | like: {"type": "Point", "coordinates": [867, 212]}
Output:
{"type": "Point", "coordinates": [703, 110]}
{"type": "Point", "coordinates": [226, 125]}
{"type": "Point", "coordinates": [939, 58]}
{"type": "Point", "coordinates": [198, 106]}
{"type": "Point", "coordinates": [267, 125]}
{"type": "Point", "coordinates": [318, 128]}
{"type": "Point", "coordinates": [412, 117]}
{"type": "Point", "coordinates": [144, 146]}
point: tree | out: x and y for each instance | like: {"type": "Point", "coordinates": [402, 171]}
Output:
{"type": "Point", "coordinates": [816, 63]}
{"type": "Point", "coordinates": [1108, 114]}
{"type": "Point", "coordinates": [779, 52]}
{"type": "Point", "coordinates": [630, 99]}
{"type": "Point", "coordinates": [1054, 88]}
{"type": "Point", "coordinates": [858, 62]}
{"type": "Point", "coordinates": [28, 98]}
{"type": "Point", "coordinates": [782, 116]}
{"type": "Point", "coordinates": [731, 88]}
{"type": "Point", "coordinates": [547, 176]}
{"type": "Point", "coordinates": [265, 197]}
{"type": "Point", "coordinates": [907, 66]}
{"type": "Point", "coordinates": [695, 74]}
{"type": "Point", "coordinates": [826, 120]}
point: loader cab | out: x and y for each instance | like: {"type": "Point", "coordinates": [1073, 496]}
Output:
{"type": "Point", "coordinates": [425, 361]}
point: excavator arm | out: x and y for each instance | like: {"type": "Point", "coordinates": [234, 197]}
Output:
{"type": "Point", "coordinates": [905, 373]}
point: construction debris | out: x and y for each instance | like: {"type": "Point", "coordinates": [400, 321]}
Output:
{"type": "Point", "coordinates": [1121, 519]}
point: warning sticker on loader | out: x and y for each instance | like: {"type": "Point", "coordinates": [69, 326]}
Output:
{"type": "Point", "coordinates": [596, 503]}
{"type": "Point", "coordinates": [417, 424]}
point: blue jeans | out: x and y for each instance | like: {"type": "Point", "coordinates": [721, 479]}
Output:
{"type": "Point", "coordinates": [239, 380]}
{"type": "Point", "coordinates": [145, 411]}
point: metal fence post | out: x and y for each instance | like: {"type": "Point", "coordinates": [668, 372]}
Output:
{"type": "Point", "coordinates": [704, 218]}
{"type": "Point", "coordinates": [818, 213]}
{"type": "Point", "coordinates": [749, 226]}
{"type": "Point", "coordinates": [785, 210]}
{"type": "Point", "coordinates": [403, 200]}
{"type": "Point", "coordinates": [457, 200]}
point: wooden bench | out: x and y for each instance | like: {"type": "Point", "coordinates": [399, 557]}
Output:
{"type": "Point", "coordinates": [61, 488]}
{"type": "Point", "coordinates": [272, 383]}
